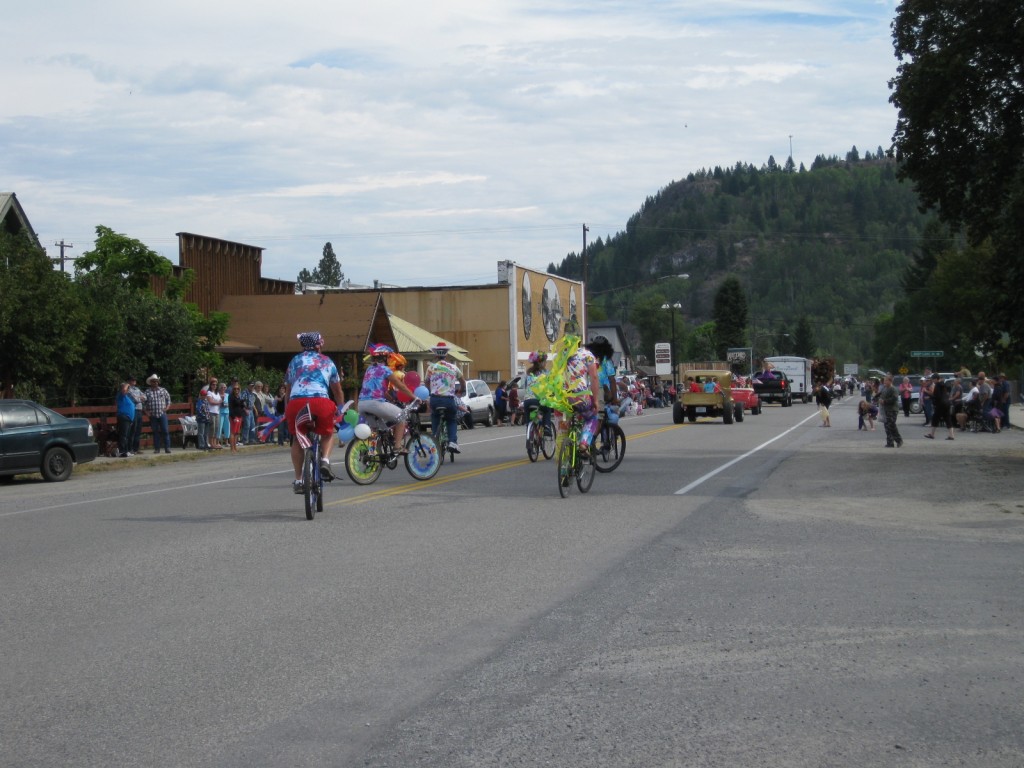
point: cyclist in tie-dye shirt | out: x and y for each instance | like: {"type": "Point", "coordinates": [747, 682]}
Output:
{"type": "Point", "coordinates": [444, 380]}
{"type": "Point", "coordinates": [373, 397]}
{"type": "Point", "coordinates": [313, 380]}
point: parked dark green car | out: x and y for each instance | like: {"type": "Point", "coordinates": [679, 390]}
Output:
{"type": "Point", "coordinates": [35, 439]}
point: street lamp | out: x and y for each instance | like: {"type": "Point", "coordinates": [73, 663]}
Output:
{"type": "Point", "coordinates": [771, 336]}
{"type": "Point", "coordinates": [672, 308]}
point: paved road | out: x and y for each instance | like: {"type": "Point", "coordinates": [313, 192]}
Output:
{"type": "Point", "coordinates": [763, 594]}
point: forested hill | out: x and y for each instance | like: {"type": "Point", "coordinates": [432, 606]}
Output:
{"type": "Point", "coordinates": [829, 244]}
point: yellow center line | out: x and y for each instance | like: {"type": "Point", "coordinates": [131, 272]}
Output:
{"type": "Point", "coordinates": [434, 482]}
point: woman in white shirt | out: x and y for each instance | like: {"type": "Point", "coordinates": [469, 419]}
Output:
{"type": "Point", "coordinates": [214, 401]}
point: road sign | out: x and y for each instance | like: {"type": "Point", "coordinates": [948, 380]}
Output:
{"type": "Point", "coordinates": [662, 359]}
{"type": "Point", "coordinates": [930, 353]}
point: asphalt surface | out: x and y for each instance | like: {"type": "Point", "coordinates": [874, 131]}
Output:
{"type": "Point", "coordinates": [768, 593]}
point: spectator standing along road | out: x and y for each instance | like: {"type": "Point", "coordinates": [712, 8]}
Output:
{"type": "Point", "coordinates": [158, 400]}
{"type": "Point", "coordinates": [140, 402]}
{"type": "Point", "coordinates": [889, 399]}
{"type": "Point", "coordinates": [125, 421]}
{"type": "Point", "coordinates": [215, 403]}
{"type": "Point", "coordinates": [940, 407]}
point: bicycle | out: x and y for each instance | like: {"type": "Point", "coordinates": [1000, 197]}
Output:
{"type": "Point", "coordinates": [572, 463]}
{"type": "Point", "coordinates": [441, 438]}
{"type": "Point", "coordinates": [312, 478]}
{"type": "Point", "coordinates": [609, 444]}
{"type": "Point", "coordinates": [540, 437]}
{"type": "Point", "coordinates": [365, 459]}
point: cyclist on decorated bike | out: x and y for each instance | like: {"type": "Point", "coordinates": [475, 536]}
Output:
{"type": "Point", "coordinates": [444, 379]}
{"type": "Point", "coordinates": [583, 387]}
{"type": "Point", "coordinates": [313, 383]}
{"type": "Point", "coordinates": [374, 399]}
{"type": "Point", "coordinates": [603, 351]}
{"type": "Point", "coordinates": [538, 362]}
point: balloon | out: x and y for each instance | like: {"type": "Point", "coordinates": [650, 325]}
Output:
{"type": "Point", "coordinates": [402, 397]}
{"type": "Point", "coordinates": [412, 379]}
{"type": "Point", "coordinates": [351, 416]}
{"type": "Point", "coordinates": [422, 392]}
{"type": "Point", "coordinates": [362, 431]}
{"type": "Point", "coordinates": [346, 433]}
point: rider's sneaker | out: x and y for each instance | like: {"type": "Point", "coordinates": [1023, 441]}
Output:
{"type": "Point", "coordinates": [297, 487]}
{"type": "Point", "coordinates": [454, 448]}
{"type": "Point", "coordinates": [325, 470]}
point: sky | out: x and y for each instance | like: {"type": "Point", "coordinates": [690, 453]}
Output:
{"type": "Point", "coordinates": [425, 141]}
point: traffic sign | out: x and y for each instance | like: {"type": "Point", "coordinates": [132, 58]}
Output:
{"type": "Point", "coordinates": [930, 353]}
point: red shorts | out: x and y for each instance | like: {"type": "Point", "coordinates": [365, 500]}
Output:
{"type": "Point", "coordinates": [322, 407]}
{"type": "Point", "coordinates": [236, 424]}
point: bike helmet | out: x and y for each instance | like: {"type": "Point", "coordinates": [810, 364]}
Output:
{"type": "Point", "coordinates": [380, 350]}
{"type": "Point", "coordinates": [538, 357]}
{"type": "Point", "coordinates": [396, 359]}
{"type": "Point", "coordinates": [310, 339]}
{"type": "Point", "coordinates": [440, 349]}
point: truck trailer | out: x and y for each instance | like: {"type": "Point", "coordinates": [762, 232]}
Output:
{"type": "Point", "coordinates": [798, 369]}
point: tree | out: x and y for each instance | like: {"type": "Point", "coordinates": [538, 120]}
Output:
{"type": "Point", "coordinates": [730, 314]}
{"type": "Point", "coordinates": [42, 322]}
{"type": "Point", "coordinates": [123, 257]}
{"type": "Point", "coordinates": [959, 137]}
{"type": "Point", "coordinates": [328, 271]}
{"type": "Point", "coordinates": [803, 344]}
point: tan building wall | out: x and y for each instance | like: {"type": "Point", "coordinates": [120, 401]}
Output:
{"type": "Point", "coordinates": [474, 318]}
{"type": "Point", "coordinates": [498, 325]}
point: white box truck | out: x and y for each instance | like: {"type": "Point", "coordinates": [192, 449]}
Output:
{"type": "Point", "coordinates": [798, 369]}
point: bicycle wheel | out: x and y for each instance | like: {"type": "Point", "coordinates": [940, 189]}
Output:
{"type": "Point", "coordinates": [532, 444]}
{"type": "Point", "coordinates": [547, 441]}
{"type": "Point", "coordinates": [362, 468]}
{"type": "Point", "coordinates": [609, 448]}
{"type": "Point", "coordinates": [585, 471]}
{"type": "Point", "coordinates": [309, 480]}
{"type": "Point", "coordinates": [423, 459]}
{"type": "Point", "coordinates": [566, 459]}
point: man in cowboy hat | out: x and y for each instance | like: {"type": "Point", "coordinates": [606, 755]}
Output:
{"type": "Point", "coordinates": [444, 380]}
{"type": "Point", "coordinates": [158, 400]}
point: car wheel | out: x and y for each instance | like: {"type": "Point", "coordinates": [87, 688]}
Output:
{"type": "Point", "coordinates": [915, 406]}
{"type": "Point", "coordinates": [739, 411]}
{"type": "Point", "coordinates": [691, 413]}
{"type": "Point", "coordinates": [677, 413]}
{"type": "Point", "coordinates": [490, 417]}
{"type": "Point", "coordinates": [727, 415]}
{"type": "Point", "coordinates": [57, 465]}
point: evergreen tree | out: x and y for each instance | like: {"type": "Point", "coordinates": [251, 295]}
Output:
{"type": "Point", "coordinates": [328, 271]}
{"type": "Point", "coordinates": [803, 344]}
{"type": "Point", "coordinates": [730, 314]}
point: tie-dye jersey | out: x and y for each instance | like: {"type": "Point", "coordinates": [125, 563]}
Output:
{"type": "Point", "coordinates": [375, 382]}
{"type": "Point", "coordinates": [444, 378]}
{"type": "Point", "coordinates": [577, 376]}
{"type": "Point", "coordinates": [311, 374]}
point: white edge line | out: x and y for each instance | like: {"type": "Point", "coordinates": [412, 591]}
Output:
{"type": "Point", "coordinates": [686, 489]}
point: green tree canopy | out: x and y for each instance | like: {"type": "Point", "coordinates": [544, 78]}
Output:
{"type": "Point", "coordinates": [959, 136]}
{"type": "Point", "coordinates": [327, 272]}
{"type": "Point", "coordinates": [123, 257]}
{"type": "Point", "coordinates": [730, 313]}
{"type": "Point", "coordinates": [42, 321]}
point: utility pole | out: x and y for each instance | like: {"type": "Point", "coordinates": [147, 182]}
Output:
{"type": "Point", "coordinates": [583, 303]}
{"type": "Point", "coordinates": [62, 245]}
{"type": "Point", "coordinates": [791, 149]}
